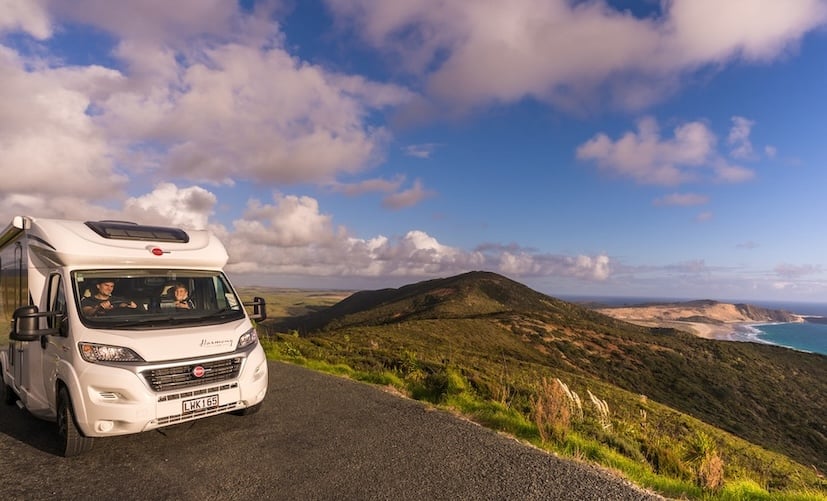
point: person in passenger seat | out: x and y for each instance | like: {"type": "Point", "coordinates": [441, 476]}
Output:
{"type": "Point", "coordinates": [182, 297]}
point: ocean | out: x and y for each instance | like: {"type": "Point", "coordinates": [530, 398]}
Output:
{"type": "Point", "coordinates": [808, 336]}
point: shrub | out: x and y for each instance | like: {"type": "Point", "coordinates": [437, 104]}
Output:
{"type": "Point", "coordinates": [665, 458]}
{"type": "Point", "coordinates": [702, 456]}
{"type": "Point", "coordinates": [437, 385]}
{"type": "Point", "coordinates": [551, 410]}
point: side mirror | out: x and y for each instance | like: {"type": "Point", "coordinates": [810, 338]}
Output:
{"type": "Point", "coordinates": [259, 309]}
{"type": "Point", "coordinates": [24, 324]}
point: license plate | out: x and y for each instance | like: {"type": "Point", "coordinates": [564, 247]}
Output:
{"type": "Point", "coordinates": [200, 404]}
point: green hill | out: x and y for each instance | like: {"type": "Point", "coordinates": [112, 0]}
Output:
{"type": "Point", "coordinates": [505, 337]}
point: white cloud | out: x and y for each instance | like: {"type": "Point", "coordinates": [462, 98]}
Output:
{"type": "Point", "coordinates": [292, 237]}
{"type": "Point", "coordinates": [204, 93]}
{"type": "Point", "coordinates": [738, 140]}
{"type": "Point", "coordinates": [169, 205]}
{"type": "Point", "coordinates": [648, 159]}
{"type": "Point", "coordinates": [517, 262]}
{"type": "Point", "coordinates": [45, 132]}
{"type": "Point", "coordinates": [703, 31]}
{"type": "Point", "coordinates": [268, 116]}
{"type": "Point", "coordinates": [29, 16]}
{"type": "Point", "coordinates": [407, 198]}
{"type": "Point", "coordinates": [573, 54]}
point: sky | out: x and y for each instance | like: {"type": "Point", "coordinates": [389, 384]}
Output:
{"type": "Point", "coordinates": [671, 148]}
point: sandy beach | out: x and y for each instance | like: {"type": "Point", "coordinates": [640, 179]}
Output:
{"type": "Point", "coordinates": [725, 331]}
{"type": "Point", "coordinates": [710, 320]}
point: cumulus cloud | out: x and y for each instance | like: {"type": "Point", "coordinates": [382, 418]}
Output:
{"type": "Point", "coordinates": [573, 54]}
{"type": "Point", "coordinates": [254, 113]}
{"type": "Point", "coordinates": [689, 156]}
{"type": "Point", "coordinates": [292, 237]}
{"type": "Point", "coordinates": [29, 16]}
{"type": "Point", "coordinates": [44, 129]}
{"type": "Point", "coordinates": [407, 198]}
{"type": "Point", "coordinates": [167, 204]}
{"type": "Point", "coordinates": [649, 159]}
{"type": "Point", "coordinates": [202, 92]}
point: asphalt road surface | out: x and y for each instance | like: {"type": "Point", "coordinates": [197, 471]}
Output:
{"type": "Point", "coordinates": [316, 437]}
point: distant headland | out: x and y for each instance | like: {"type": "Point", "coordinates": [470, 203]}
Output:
{"type": "Point", "coordinates": [704, 318]}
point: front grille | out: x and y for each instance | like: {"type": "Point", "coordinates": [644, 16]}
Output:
{"type": "Point", "coordinates": [182, 376]}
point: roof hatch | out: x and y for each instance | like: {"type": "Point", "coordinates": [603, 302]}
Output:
{"type": "Point", "coordinates": [122, 230]}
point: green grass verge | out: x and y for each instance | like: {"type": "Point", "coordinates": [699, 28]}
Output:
{"type": "Point", "coordinates": [649, 448]}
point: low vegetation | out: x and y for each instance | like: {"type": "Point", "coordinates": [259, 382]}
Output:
{"type": "Point", "coordinates": [579, 384]}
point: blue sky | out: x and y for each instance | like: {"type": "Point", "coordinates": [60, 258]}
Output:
{"type": "Point", "coordinates": [609, 148]}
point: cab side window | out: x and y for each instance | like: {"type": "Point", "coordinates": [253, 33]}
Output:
{"type": "Point", "coordinates": [57, 301]}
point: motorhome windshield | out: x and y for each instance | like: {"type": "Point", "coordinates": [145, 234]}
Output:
{"type": "Point", "coordinates": [142, 298]}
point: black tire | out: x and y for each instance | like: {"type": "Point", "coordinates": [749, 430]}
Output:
{"type": "Point", "coordinates": [72, 441]}
{"type": "Point", "coordinates": [248, 411]}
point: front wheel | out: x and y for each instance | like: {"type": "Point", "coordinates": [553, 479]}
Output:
{"type": "Point", "coordinates": [72, 441]}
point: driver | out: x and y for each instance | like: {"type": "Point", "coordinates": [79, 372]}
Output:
{"type": "Point", "coordinates": [103, 301]}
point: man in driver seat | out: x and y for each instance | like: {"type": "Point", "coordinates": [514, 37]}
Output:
{"type": "Point", "coordinates": [103, 301]}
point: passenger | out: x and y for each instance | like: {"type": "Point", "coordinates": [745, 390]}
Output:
{"type": "Point", "coordinates": [182, 297]}
{"type": "Point", "coordinates": [103, 301]}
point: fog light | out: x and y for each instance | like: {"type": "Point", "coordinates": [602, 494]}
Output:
{"type": "Point", "coordinates": [105, 426]}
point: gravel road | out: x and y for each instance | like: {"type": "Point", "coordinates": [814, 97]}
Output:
{"type": "Point", "coordinates": [317, 437]}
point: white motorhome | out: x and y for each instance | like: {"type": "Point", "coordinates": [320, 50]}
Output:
{"type": "Point", "coordinates": [102, 343]}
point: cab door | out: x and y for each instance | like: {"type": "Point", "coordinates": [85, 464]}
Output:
{"type": "Point", "coordinates": [56, 348]}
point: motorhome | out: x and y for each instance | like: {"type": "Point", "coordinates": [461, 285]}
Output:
{"type": "Point", "coordinates": [118, 328]}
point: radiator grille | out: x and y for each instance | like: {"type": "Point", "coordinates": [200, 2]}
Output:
{"type": "Point", "coordinates": [184, 376]}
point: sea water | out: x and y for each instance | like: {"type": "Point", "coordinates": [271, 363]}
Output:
{"type": "Point", "coordinates": [806, 336]}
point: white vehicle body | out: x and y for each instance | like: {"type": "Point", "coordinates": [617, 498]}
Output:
{"type": "Point", "coordinates": [128, 364]}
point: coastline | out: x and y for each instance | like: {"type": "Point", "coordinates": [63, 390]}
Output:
{"type": "Point", "coordinates": [711, 320]}
{"type": "Point", "coordinates": [719, 331]}
{"type": "Point", "coordinates": [725, 331]}
{"type": "Point", "coordinates": [730, 331]}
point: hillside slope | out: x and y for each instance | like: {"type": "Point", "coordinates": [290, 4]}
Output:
{"type": "Point", "coordinates": [768, 395]}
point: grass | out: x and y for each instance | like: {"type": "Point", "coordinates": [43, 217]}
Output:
{"type": "Point", "coordinates": [661, 451]}
{"type": "Point", "coordinates": [651, 444]}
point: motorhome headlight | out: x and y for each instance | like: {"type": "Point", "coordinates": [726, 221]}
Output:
{"type": "Point", "coordinates": [247, 338]}
{"type": "Point", "coordinates": [92, 352]}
